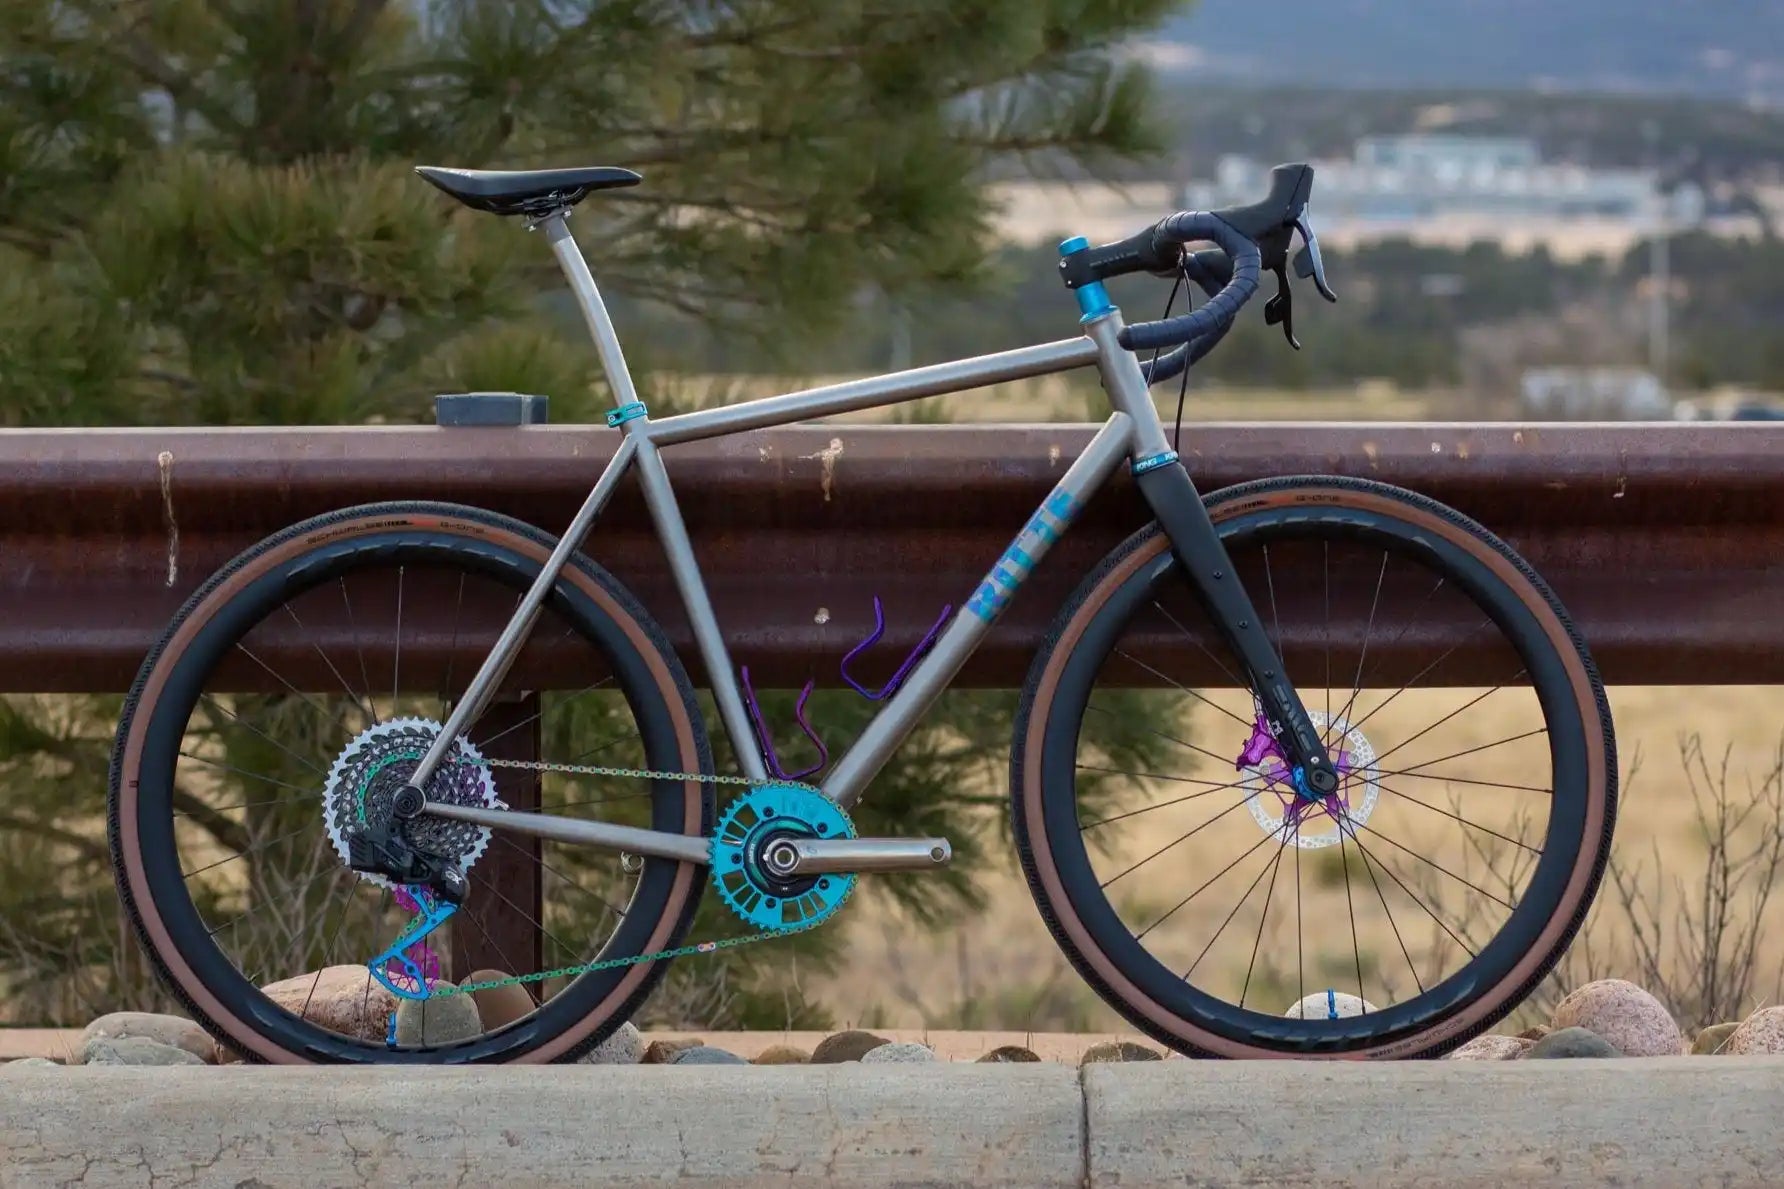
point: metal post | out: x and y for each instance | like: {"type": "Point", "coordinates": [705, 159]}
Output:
{"type": "Point", "coordinates": [499, 927]}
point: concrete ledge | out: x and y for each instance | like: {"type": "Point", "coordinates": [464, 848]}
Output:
{"type": "Point", "coordinates": [1667, 1121]}
{"type": "Point", "coordinates": [1660, 1121]}
{"type": "Point", "coordinates": [1010, 1125]}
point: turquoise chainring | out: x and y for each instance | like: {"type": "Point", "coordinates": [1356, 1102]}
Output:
{"type": "Point", "coordinates": [759, 899]}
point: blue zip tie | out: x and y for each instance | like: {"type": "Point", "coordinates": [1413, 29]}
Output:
{"type": "Point", "coordinates": [626, 412]}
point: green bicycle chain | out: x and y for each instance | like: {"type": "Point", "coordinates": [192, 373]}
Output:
{"type": "Point", "coordinates": [701, 947]}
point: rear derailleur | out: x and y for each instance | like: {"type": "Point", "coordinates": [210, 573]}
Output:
{"type": "Point", "coordinates": [382, 846]}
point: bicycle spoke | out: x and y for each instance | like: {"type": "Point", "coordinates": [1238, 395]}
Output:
{"type": "Point", "coordinates": [1409, 892]}
{"type": "Point", "coordinates": [1169, 845]}
{"type": "Point", "coordinates": [1430, 862]}
{"type": "Point", "coordinates": [1269, 892]}
{"type": "Point", "coordinates": [1172, 738]}
{"type": "Point", "coordinates": [1457, 817]}
{"type": "Point", "coordinates": [1193, 639]}
{"type": "Point", "coordinates": [452, 649]}
{"type": "Point", "coordinates": [1255, 880]}
{"type": "Point", "coordinates": [535, 716]}
{"type": "Point", "coordinates": [1542, 730]}
{"type": "Point", "coordinates": [1449, 652]}
{"type": "Point", "coordinates": [244, 722]}
{"type": "Point", "coordinates": [319, 708]}
{"type": "Point", "coordinates": [1417, 614]}
{"type": "Point", "coordinates": [284, 784]}
{"type": "Point", "coordinates": [1215, 878]}
{"type": "Point", "coordinates": [1356, 947]}
{"type": "Point", "coordinates": [1468, 705]}
{"type": "Point", "coordinates": [242, 854]}
{"type": "Point", "coordinates": [396, 663]}
{"type": "Point", "coordinates": [1387, 911]}
{"type": "Point", "coordinates": [1196, 694]}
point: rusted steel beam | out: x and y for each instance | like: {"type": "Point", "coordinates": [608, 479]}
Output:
{"type": "Point", "coordinates": [1664, 540]}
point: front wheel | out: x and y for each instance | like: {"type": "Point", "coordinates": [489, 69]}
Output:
{"type": "Point", "coordinates": [1225, 914]}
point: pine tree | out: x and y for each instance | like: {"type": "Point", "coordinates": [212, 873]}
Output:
{"type": "Point", "coordinates": [208, 216]}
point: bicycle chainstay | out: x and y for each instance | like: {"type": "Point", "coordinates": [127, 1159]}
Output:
{"type": "Point", "coordinates": [701, 947]}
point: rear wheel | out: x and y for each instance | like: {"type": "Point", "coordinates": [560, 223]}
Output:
{"type": "Point", "coordinates": [1226, 915]}
{"type": "Point", "coordinates": [294, 693]}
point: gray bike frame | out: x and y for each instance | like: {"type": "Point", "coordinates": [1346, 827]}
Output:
{"type": "Point", "coordinates": [1133, 431]}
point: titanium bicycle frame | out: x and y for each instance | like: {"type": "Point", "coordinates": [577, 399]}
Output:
{"type": "Point", "coordinates": [1133, 431]}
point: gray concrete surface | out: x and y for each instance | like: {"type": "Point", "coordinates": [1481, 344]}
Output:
{"type": "Point", "coordinates": [1677, 1121]}
{"type": "Point", "coordinates": [1656, 1121]}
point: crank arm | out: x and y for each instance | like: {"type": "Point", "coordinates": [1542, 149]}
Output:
{"type": "Point", "coordinates": [658, 843]}
{"type": "Point", "coordinates": [820, 856]}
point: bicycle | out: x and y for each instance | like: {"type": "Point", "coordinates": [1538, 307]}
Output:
{"type": "Point", "coordinates": [1185, 619]}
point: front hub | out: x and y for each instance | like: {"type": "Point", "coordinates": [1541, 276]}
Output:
{"type": "Point", "coordinates": [1284, 802]}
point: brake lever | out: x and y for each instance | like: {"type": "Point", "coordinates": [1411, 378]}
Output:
{"type": "Point", "coordinates": [1281, 308]}
{"type": "Point", "coordinates": [1307, 261]}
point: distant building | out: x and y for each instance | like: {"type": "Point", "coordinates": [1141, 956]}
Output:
{"type": "Point", "coordinates": [1595, 394]}
{"type": "Point", "coordinates": [1394, 179]}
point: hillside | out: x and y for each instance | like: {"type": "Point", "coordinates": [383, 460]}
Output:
{"type": "Point", "coordinates": [1730, 49]}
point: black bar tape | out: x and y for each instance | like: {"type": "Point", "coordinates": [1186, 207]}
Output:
{"type": "Point", "coordinates": [1224, 306]}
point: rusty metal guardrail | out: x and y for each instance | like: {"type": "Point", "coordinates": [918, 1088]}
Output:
{"type": "Point", "coordinates": [1665, 540]}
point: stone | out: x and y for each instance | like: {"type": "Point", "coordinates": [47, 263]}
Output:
{"type": "Point", "coordinates": [1492, 1048]}
{"type": "Point", "coordinates": [1326, 1005]}
{"type": "Point", "coordinates": [907, 1052]}
{"type": "Point", "coordinates": [33, 1063]}
{"type": "Point", "coordinates": [782, 1055]}
{"type": "Point", "coordinates": [134, 1050]}
{"type": "Point", "coordinates": [624, 1047]}
{"type": "Point", "coordinates": [176, 1031]}
{"type": "Point", "coordinates": [344, 999]}
{"type": "Point", "coordinates": [1627, 1017]}
{"type": "Point", "coordinates": [1572, 1042]}
{"type": "Point", "coordinates": [1535, 1032]}
{"type": "Point", "coordinates": [1124, 1051]}
{"type": "Point", "coordinates": [706, 1055]}
{"type": "Point", "coordinates": [845, 1046]}
{"type": "Point", "coordinates": [441, 1020]}
{"type": "Point", "coordinates": [1713, 1040]}
{"type": "Point", "coordinates": [499, 1007]}
{"type": "Point", "coordinates": [1761, 1032]}
{"type": "Point", "coordinates": [662, 1052]}
{"type": "Point", "coordinates": [1010, 1053]}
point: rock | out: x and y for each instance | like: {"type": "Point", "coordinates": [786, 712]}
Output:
{"type": "Point", "coordinates": [134, 1050]}
{"type": "Point", "coordinates": [1630, 1019]}
{"type": "Point", "coordinates": [898, 1053]}
{"type": "Point", "coordinates": [1327, 1005]}
{"type": "Point", "coordinates": [33, 1063]}
{"type": "Point", "coordinates": [344, 999]}
{"type": "Point", "coordinates": [1492, 1048]}
{"type": "Point", "coordinates": [1761, 1032]}
{"type": "Point", "coordinates": [1712, 1040]}
{"type": "Point", "coordinates": [624, 1047]}
{"type": "Point", "coordinates": [1535, 1032]}
{"type": "Point", "coordinates": [1125, 1051]}
{"type": "Point", "coordinates": [1010, 1053]}
{"type": "Point", "coordinates": [706, 1055]}
{"type": "Point", "coordinates": [662, 1052]}
{"type": "Point", "coordinates": [845, 1046]}
{"type": "Point", "coordinates": [499, 1007]}
{"type": "Point", "coordinates": [782, 1055]}
{"type": "Point", "coordinates": [176, 1031]}
{"type": "Point", "coordinates": [442, 1020]}
{"type": "Point", "coordinates": [1572, 1042]}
